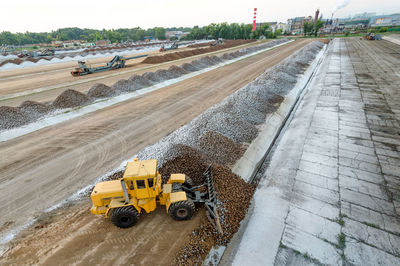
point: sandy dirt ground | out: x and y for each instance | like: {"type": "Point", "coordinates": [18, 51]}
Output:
{"type": "Point", "coordinates": [53, 163]}
{"type": "Point", "coordinates": [74, 237]}
{"type": "Point", "coordinates": [55, 78]}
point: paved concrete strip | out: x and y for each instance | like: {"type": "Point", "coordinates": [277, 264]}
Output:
{"type": "Point", "coordinates": [336, 170]}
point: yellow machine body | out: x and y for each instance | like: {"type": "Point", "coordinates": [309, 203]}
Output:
{"type": "Point", "coordinates": [140, 187]}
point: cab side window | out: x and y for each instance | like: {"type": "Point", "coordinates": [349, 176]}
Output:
{"type": "Point", "coordinates": [151, 182]}
{"type": "Point", "coordinates": [140, 184]}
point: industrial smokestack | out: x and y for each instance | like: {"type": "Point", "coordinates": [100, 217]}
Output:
{"type": "Point", "coordinates": [254, 19]}
{"type": "Point", "coordinates": [316, 16]}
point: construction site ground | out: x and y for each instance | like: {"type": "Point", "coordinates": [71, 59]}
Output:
{"type": "Point", "coordinates": [331, 191]}
{"type": "Point", "coordinates": [53, 163]}
{"type": "Point", "coordinates": [19, 85]}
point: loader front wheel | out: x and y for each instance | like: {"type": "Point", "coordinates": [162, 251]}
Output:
{"type": "Point", "coordinates": [124, 217]}
{"type": "Point", "coordinates": [181, 210]}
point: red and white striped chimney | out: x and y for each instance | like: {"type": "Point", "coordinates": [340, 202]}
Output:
{"type": "Point", "coordinates": [254, 19]}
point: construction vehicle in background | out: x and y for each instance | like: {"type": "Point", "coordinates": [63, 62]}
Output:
{"type": "Point", "coordinates": [217, 42]}
{"type": "Point", "coordinates": [372, 36]}
{"type": "Point", "coordinates": [115, 63]}
{"type": "Point", "coordinates": [140, 190]}
{"type": "Point", "coordinates": [44, 52]}
{"type": "Point", "coordinates": [172, 47]}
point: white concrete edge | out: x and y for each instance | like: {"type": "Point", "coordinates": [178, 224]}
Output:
{"type": "Point", "coordinates": [69, 114]}
{"type": "Point", "coordinates": [255, 154]}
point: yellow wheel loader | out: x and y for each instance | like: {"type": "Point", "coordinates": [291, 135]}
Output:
{"type": "Point", "coordinates": [140, 189]}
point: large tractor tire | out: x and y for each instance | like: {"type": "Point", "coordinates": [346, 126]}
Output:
{"type": "Point", "coordinates": [181, 210]}
{"type": "Point", "coordinates": [124, 217]}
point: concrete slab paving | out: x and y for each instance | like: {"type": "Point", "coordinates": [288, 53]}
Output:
{"type": "Point", "coordinates": [340, 199]}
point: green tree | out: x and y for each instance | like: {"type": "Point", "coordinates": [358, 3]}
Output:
{"type": "Point", "coordinates": [318, 25]}
{"type": "Point", "coordinates": [307, 27]}
{"type": "Point", "coordinates": [159, 33]}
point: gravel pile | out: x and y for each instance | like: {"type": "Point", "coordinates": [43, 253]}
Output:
{"type": "Point", "coordinates": [220, 149]}
{"type": "Point", "coordinates": [185, 160]}
{"type": "Point", "coordinates": [139, 82]}
{"type": "Point", "coordinates": [219, 136]}
{"type": "Point", "coordinates": [234, 197]}
{"type": "Point", "coordinates": [12, 117]}
{"type": "Point", "coordinates": [151, 76]}
{"type": "Point", "coordinates": [244, 109]}
{"type": "Point", "coordinates": [176, 70]}
{"type": "Point", "coordinates": [189, 67]}
{"type": "Point", "coordinates": [122, 85]}
{"type": "Point", "coordinates": [34, 109]}
{"type": "Point", "coordinates": [100, 90]}
{"type": "Point", "coordinates": [227, 56]}
{"type": "Point", "coordinates": [163, 74]}
{"type": "Point", "coordinates": [70, 98]}
{"type": "Point", "coordinates": [237, 115]}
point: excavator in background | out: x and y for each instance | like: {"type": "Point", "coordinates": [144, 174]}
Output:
{"type": "Point", "coordinates": [140, 190]}
{"type": "Point", "coordinates": [44, 52]}
{"type": "Point", "coordinates": [217, 42]}
{"type": "Point", "coordinates": [117, 62]}
{"type": "Point", "coordinates": [172, 47]}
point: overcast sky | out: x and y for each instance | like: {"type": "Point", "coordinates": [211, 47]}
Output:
{"type": "Point", "coordinates": [47, 15]}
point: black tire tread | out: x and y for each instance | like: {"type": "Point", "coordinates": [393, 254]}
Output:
{"type": "Point", "coordinates": [120, 211]}
{"type": "Point", "coordinates": [187, 204]}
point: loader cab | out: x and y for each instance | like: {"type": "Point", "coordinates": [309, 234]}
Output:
{"type": "Point", "coordinates": [141, 178]}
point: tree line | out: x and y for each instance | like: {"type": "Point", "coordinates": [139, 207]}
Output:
{"type": "Point", "coordinates": [214, 30]}
{"type": "Point", "coordinates": [231, 31]}
{"type": "Point", "coordinates": [88, 35]}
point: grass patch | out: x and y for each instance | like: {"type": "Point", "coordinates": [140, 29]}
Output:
{"type": "Point", "coordinates": [372, 225]}
{"type": "Point", "coordinates": [341, 240]}
{"type": "Point", "coordinates": [281, 245]}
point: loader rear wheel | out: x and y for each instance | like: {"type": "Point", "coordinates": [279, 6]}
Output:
{"type": "Point", "coordinates": [124, 217]}
{"type": "Point", "coordinates": [181, 210]}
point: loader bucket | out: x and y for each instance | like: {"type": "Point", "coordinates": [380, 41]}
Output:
{"type": "Point", "coordinates": [205, 193]}
{"type": "Point", "coordinates": [210, 202]}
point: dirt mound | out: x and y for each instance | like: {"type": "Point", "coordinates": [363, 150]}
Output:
{"type": "Point", "coordinates": [16, 61]}
{"type": "Point", "coordinates": [12, 117]}
{"type": "Point", "coordinates": [70, 98]}
{"type": "Point", "coordinates": [139, 82]}
{"type": "Point", "coordinates": [182, 54]}
{"type": "Point", "coordinates": [200, 45]}
{"type": "Point", "coordinates": [100, 90]}
{"type": "Point", "coordinates": [220, 149]}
